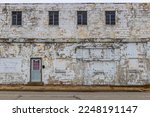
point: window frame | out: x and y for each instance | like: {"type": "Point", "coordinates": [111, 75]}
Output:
{"type": "Point", "coordinates": [83, 18]}
{"type": "Point", "coordinates": [16, 18]}
{"type": "Point", "coordinates": [55, 15]}
{"type": "Point", "coordinates": [110, 17]}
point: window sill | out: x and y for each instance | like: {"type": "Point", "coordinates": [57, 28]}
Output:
{"type": "Point", "coordinates": [16, 25]}
{"type": "Point", "coordinates": [82, 26]}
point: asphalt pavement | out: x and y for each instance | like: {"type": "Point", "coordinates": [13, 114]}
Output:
{"type": "Point", "coordinates": [28, 95]}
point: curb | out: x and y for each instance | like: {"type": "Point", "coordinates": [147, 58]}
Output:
{"type": "Point", "coordinates": [66, 88]}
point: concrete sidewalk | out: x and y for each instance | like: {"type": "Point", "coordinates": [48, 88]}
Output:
{"type": "Point", "coordinates": [74, 88]}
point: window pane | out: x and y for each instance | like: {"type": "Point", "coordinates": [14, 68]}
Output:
{"type": "Point", "coordinates": [112, 16]}
{"type": "Point", "coordinates": [36, 64]}
{"type": "Point", "coordinates": [55, 18]}
{"type": "Point", "coordinates": [13, 22]}
{"type": "Point", "coordinates": [79, 23]}
{"type": "Point", "coordinates": [14, 18]}
{"type": "Point", "coordinates": [84, 20]}
{"type": "Point", "coordinates": [55, 23]}
{"type": "Point", "coordinates": [79, 18]}
{"type": "Point", "coordinates": [113, 22]}
{"type": "Point", "coordinates": [19, 23]}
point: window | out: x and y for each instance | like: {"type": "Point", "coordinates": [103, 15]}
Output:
{"type": "Point", "coordinates": [82, 17]}
{"type": "Point", "coordinates": [16, 17]}
{"type": "Point", "coordinates": [53, 17]}
{"type": "Point", "coordinates": [110, 17]}
{"type": "Point", "coordinates": [36, 64]}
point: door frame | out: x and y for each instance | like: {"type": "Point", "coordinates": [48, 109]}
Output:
{"type": "Point", "coordinates": [32, 66]}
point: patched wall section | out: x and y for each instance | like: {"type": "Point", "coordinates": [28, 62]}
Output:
{"type": "Point", "coordinates": [83, 64]}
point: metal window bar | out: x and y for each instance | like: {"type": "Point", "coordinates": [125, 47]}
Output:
{"type": "Point", "coordinates": [53, 16]}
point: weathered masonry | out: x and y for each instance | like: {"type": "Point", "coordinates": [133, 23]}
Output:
{"type": "Point", "coordinates": [77, 44]}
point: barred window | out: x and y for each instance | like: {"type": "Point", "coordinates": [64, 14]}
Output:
{"type": "Point", "coordinates": [53, 17]}
{"type": "Point", "coordinates": [16, 17]}
{"type": "Point", "coordinates": [82, 17]}
{"type": "Point", "coordinates": [110, 17]}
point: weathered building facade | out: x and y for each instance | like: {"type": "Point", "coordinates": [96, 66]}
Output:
{"type": "Point", "coordinates": [95, 53]}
